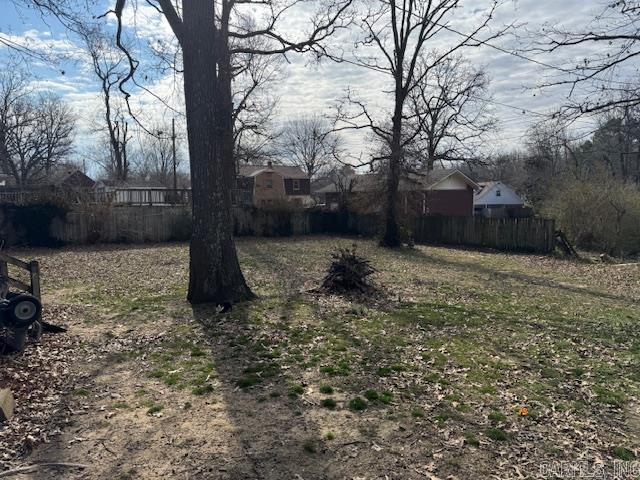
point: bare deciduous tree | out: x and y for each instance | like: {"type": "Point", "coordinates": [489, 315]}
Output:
{"type": "Point", "coordinates": [309, 143]}
{"type": "Point", "coordinates": [606, 78]}
{"type": "Point", "coordinates": [36, 132]}
{"type": "Point", "coordinates": [109, 68]}
{"type": "Point", "coordinates": [210, 34]}
{"type": "Point", "coordinates": [254, 106]}
{"type": "Point", "coordinates": [449, 110]}
{"type": "Point", "coordinates": [156, 156]}
{"type": "Point", "coordinates": [398, 33]}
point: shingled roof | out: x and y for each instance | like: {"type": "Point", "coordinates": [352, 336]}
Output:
{"type": "Point", "coordinates": [287, 171]}
{"type": "Point", "coordinates": [409, 182]}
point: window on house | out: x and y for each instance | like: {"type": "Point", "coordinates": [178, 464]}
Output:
{"type": "Point", "coordinates": [498, 193]}
{"type": "Point", "coordinates": [296, 185]}
{"type": "Point", "coordinates": [269, 183]}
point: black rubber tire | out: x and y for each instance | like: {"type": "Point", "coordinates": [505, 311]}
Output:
{"type": "Point", "coordinates": [13, 317]}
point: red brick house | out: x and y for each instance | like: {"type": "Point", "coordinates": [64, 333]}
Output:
{"type": "Point", "coordinates": [264, 185]}
{"type": "Point", "coordinates": [438, 192]}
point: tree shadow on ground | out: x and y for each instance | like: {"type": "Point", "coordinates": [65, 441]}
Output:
{"type": "Point", "coordinates": [278, 438]}
{"type": "Point", "coordinates": [477, 268]}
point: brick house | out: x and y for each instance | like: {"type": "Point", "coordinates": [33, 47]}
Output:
{"type": "Point", "coordinates": [261, 185]}
{"type": "Point", "coordinates": [439, 192]}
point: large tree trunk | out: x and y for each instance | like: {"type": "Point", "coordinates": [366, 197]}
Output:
{"type": "Point", "coordinates": [391, 237]}
{"type": "Point", "coordinates": [214, 273]}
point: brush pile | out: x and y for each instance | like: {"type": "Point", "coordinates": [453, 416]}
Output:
{"type": "Point", "coordinates": [348, 272]}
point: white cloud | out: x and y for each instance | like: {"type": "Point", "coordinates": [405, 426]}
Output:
{"type": "Point", "coordinates": [309, 88]}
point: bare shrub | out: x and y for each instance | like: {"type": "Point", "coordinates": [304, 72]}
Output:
{"type": "Point", "coordinates": [598, 212]}
{"type": "Point", "coordinates": [348, 272]}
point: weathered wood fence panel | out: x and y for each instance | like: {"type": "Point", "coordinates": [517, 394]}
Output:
{"type": "Point", "coordinates": [160, 224]}
{"type": "Point", "coordinates": [516, 234]}
{"type": "Point", "coordinates": [122, 224]}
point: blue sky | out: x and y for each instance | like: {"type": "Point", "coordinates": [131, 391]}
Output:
{"type": "Point", "coordinates": [308, 87]}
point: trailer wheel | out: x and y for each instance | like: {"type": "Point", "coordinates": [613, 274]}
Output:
{"type": "Point", "coordinates": [23, 311]}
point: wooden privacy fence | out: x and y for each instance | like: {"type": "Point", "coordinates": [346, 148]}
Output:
{"type": "Point", "coordinates": [123, 224]}
{"type": "Point", "coordinates": [516, 234]}
{"type": "Point", "coordinates": [161, 224]}
{"type": "Point", "coordinates": [32, 267]}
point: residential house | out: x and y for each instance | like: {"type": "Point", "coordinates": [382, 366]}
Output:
{"type": "Point", "coordinates": [271, 184]}
{"type": "Point", "coordinates": [62, 181]}
{"type": "Point", "coordinates": [69, 177]}
{"type": "Point", "coordinates": [437, 192]}
{"type": "Point", "coordinates": [498, 200]}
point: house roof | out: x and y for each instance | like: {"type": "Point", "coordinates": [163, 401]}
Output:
{"type": "Point", "coordinates": [68, 175]}
{"type": "Point", "coordinates": [320, 183]}
{"type": "Point", "coordinates": [287, 171]}
{"type": "Point", "coordinates": [486, 188]}
{"type": "Point", "coordinates": [409, 182]}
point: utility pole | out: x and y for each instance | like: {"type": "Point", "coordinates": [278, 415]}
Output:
{"type": "Point", "coordinates": [173, 145]}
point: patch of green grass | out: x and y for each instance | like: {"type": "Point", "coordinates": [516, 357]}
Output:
{"type": "Point", "coordinates": [358, 404]}
{"type": "Point", "coordinates": [329, 436]}
{"type": "Point", "coordinates": [248, 381]}
{"type": "Point", "coordinates": [295, 391]}
{"type": "Point", "coordinates": [496, 434]}
{"type": "Point", "coordinates": [623, 453]}
{"type": "Point", "coordinates": [80, 392]}
{"type": "Point", "coordinates": [487, 389]}
{"type": "Point", "coordinates": [386, 397]}
{"type": "Point", "coordinates": [609, 397]}
{"type": "Point", "coordinates": [197, 352]}
{"type": "Point", "coordinates": [202, 389]}
{"type": "Point", "coordinates": [329, 403]}
{"type": "Point", "coordinates": [548, 372]}
{"type": "Point", "coordinates": [326, 389]}
{"type": "Point", "coordinates": [577, 372]}
{"type": "Point", "coordinates": [446, 414]}
{"type": "Point", "coordinates": [417, 413]}
{"type": "Point", "coordinates": [471, 439]}
{"type": "Point", "coordinates": [342, 368]}
{"type": "Point", "coordinates": [383, 371]}
{"type": "Point", "coordinates": [371, 395]}
{"type": "Point", "coordinates": [172, 378]}
{"type": "Point", "coordinates": [154, 409]}
{"type": "Point", "coordinates": [309, 446]}
{"type": "Point", "coordinates": [497, 416]}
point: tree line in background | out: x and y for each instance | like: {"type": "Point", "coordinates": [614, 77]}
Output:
{"type": "Point", "coordinates": [591, 186]}
{"type": "Point", "coordinates": [36, 129]}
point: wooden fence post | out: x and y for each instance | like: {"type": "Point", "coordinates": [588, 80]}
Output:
{"type": "Point", "coordinates": [4, 281]}
{"type": "Point", "coordinates": [34, 271]}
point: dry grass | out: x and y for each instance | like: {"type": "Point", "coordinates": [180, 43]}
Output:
{"type": "Point", "coordinates": [428, 380]}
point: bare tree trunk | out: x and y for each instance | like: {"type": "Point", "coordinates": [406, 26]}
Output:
{"type": "Point", "coordinates": [215, 275]}
{"type": "Point", "coordinates": [391, 237]}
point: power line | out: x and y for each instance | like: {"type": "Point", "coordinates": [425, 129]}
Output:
{"type": "Point", "coordinates": [520, 56]}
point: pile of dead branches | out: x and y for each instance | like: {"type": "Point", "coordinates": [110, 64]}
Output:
{"type": "Point", "coordinates": [348, 272]}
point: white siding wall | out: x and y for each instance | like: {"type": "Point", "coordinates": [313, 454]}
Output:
{"type": "Point", "coordinates": [507, 197]}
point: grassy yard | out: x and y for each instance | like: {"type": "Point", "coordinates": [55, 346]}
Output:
{"type": "Point", "coordinates": [467, 365]}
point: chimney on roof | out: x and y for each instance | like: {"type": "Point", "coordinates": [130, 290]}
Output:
{"type": "Point", "coordinates": [270, 165]}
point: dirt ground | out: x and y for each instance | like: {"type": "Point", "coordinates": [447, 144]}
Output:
{"type": "Point", "coordinates": [470, 365]}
